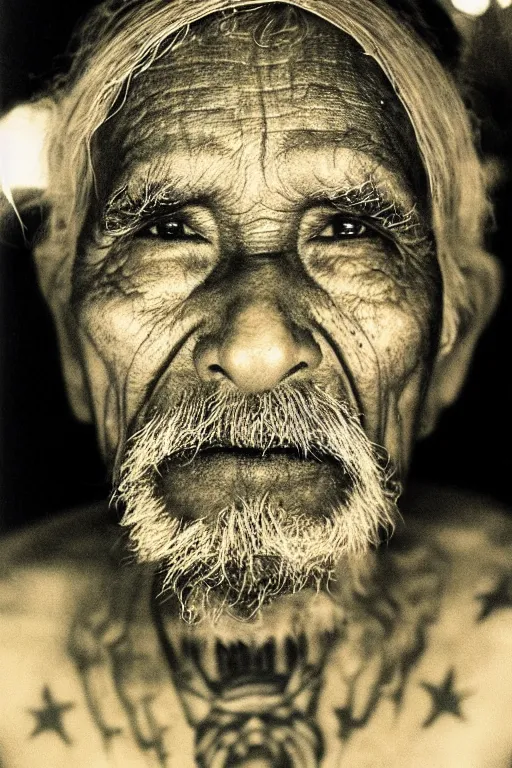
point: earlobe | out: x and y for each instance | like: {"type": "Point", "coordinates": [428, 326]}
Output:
{"type": "Point", "coordinates": [484, 279]}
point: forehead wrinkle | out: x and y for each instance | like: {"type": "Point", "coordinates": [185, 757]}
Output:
{"type": "Point", "coordinates": [218, 123]}
{"type": "Point", "coordinates": [169, 150]}
{"type": "Point", "coordinates": [171, 171]}
{"type": "Point", "coordinates": [302, 167]}
{"type": "Point", "coordinates": [204, 75]}
{"type": "Point", "coordinates": [304, 72]}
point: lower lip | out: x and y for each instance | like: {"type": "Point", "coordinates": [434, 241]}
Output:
{"type": "Point", "coordinates": [215, 479]}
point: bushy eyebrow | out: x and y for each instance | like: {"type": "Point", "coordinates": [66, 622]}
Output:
{"type": "Point", "coordinates": [127, 211]}
{"type": "Point", "coordinates": [370, 201]}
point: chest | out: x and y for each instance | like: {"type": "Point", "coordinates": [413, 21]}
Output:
{"type": "Point", "coordinates": [453, 710]}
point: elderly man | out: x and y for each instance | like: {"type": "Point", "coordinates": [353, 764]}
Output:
{"type": "Point", "coordinates": [264, 259]}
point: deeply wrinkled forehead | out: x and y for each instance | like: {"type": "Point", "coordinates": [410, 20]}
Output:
{"type": "Point", "coordinates": [291, 82]}
{"type": "Point", "coordinates": [121, 40]}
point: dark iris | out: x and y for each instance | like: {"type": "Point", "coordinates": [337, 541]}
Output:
{"type": "Point", "coordinates": [169, 229]}
{"type": "Point", "coordinates": [343, 228]}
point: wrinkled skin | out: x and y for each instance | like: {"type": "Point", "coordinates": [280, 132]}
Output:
{"type": "Point", "coordinates": [257, 278]}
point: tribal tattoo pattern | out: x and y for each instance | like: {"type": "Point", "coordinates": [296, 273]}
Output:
{"type": "Point", "coordinates": [248, 695]}
{"type": "Point", "coordinates": [257, 701]}
{"type": "Point", "coordinates": [386, 639]}
{"type": "Point", "coordinates": [121, 667]}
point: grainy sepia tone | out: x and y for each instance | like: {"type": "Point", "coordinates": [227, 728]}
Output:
{"type": "Point", "coordinates": [265, 250]}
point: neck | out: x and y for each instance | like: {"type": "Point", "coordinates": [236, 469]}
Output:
{"type": "Point", "coordinates": [244, 684]}
{"type": "Point", "coordinates": [263, 692]}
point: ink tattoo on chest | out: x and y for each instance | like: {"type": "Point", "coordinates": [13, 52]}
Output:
{"type": "Point", "coordinates": [240, 698]}
{"type": "Point", "coordinates": [49, 717]}
{"type": "Point", "coordinates": [496, 599]}
{"type": "Point", "coordinates": [255, 700]}
{"type": "Point", "coordinates": [445, 698]}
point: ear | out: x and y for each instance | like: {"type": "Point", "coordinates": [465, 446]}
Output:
{"type": "Point", "coordinates": [484, 280]}
{"type": "Point", "coordinates": [25, 135]}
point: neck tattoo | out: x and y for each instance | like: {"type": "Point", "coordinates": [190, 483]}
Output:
{"type": "Point", "coordinates": [250, 700]}
{"type": "Point", "coordinates": [254, 694]}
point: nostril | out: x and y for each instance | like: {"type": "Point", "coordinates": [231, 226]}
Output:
{"type": "Point", "coordinates": [254, 356]}
{"type": "Point", "coordinates": [296, 368]}
{"type": "Point", "coordinates": [214, 368]}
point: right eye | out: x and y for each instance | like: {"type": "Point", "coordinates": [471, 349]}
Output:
{"type": "Point", "coordinates": [169, 229]}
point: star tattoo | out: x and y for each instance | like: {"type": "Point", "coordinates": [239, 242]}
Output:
{"type": "Point", "coordinates": [500, 597]}
{"type": "Point", "coordinates": [49, 718]}
{"type": "Point", "coordinates": [444, 698]}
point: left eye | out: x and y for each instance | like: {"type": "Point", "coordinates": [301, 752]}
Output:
{"type": "Point", "coordinates": [169, 229]}
{"type": "Point", "coordinates": [343, 228]}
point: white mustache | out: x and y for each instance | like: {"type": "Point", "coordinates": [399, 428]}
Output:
{"type": "Point", "coordinates": [253, 550]}
{"type": "Point", "coordinates": [299, 416]}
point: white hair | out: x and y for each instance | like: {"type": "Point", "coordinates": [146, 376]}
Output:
{"type": "Point", "coordinates": [122, 39]}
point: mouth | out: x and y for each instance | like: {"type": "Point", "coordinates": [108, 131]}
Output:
{"type": "Point", "coordinates": [212, 478]}
{"type": "Point", "coordinates": [249, 453]}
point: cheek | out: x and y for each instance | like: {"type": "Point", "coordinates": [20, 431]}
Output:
{"type": "Point", "coordinates": [401, 338]}
{"type": "Point", "coordinates": [126, 296]}
{"type": "Point", "coordinates": [394, 319]}
{"type": "Point", "coordinates": [393, 298]}
{"type": "Point", "coordinates": [149, 269]}
{"type": "Point", "coordinates": [385, 335]}
{"type": "Point", "coordinates": [398, 334]}
{"type": "Point", "coordinates": [128, 326]}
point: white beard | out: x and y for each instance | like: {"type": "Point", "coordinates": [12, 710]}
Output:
{"type": "Point", "coordinates": [253, 550]}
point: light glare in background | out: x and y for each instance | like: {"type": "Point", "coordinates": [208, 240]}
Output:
{"type": "Point", "coordinates": [472, 7]}
{"type": "Point", "coordinates": [478, 7]}
{"type": "Point", "coordinates": [23, 162]}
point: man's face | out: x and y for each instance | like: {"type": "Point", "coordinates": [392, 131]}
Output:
{"type": "Point", "coordinates": [259, 251]}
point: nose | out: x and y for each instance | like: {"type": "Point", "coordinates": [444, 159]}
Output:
{"type": "Point", "coordinates": [260, 349]}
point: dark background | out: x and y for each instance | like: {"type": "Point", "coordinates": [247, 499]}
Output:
{"type": "Point", "coordinates": [48, 461]}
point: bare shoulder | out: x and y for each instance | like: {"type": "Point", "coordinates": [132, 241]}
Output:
{"type": "Point", "coordinates": [468, 538]}
{"type": "Point", "coordinates": [465, 526]}
{"type": "Point", "coordinates": [66, 536]}
{"type": "Point", "coordinates": [47, 572]}
{"type": "Point", "coordinates": [44, 567]}
{"type": "Point", "coordinates": [448, 579]}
